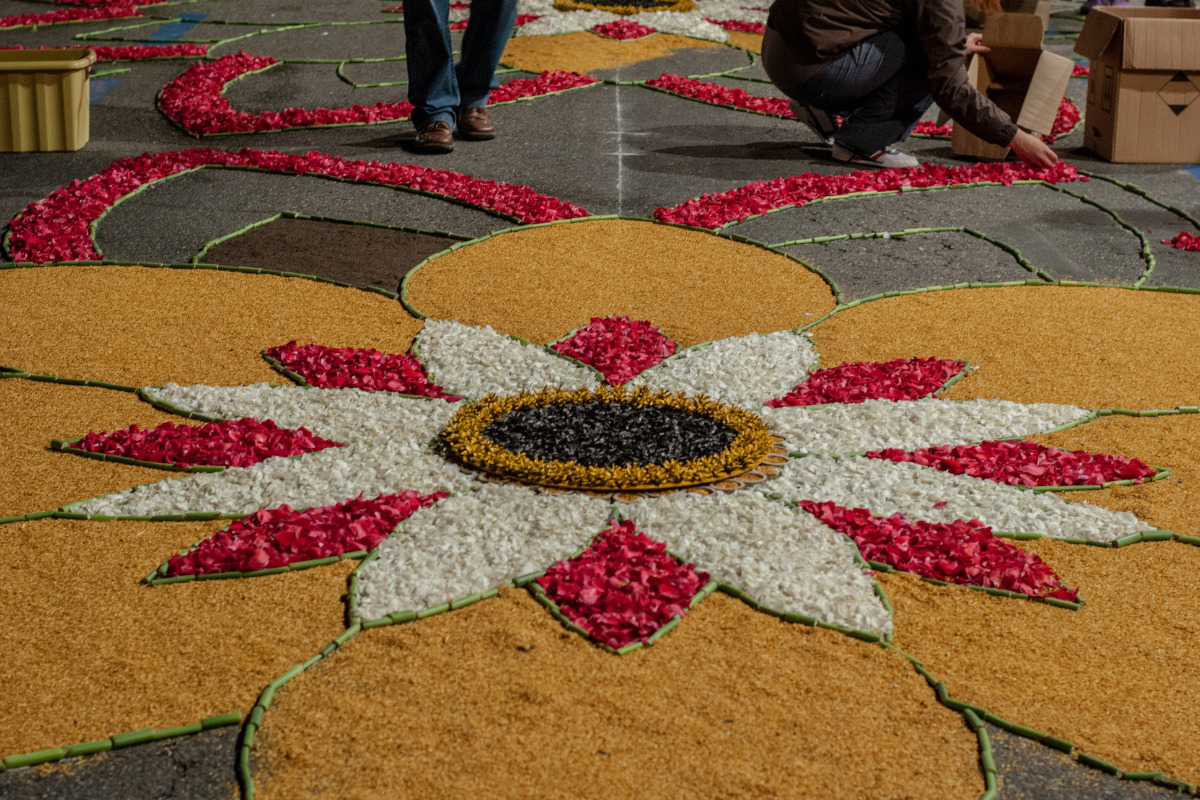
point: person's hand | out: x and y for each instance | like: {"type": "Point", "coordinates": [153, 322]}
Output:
{"type": "Point", "coordinates": [975, 44]}
{"type": "Point", "coordinates": [1033, 150]}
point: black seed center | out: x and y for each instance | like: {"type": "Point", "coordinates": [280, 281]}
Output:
{"type": "Point", "coordinates": [601, 434]}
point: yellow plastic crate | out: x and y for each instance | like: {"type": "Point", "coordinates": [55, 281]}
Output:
{"type": "Point", "coordinates": [44, 99]}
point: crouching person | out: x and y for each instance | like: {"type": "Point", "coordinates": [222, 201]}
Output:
{"type": "Point", "coordinates": [879, 65]}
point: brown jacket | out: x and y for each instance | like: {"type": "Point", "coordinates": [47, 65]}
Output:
{"type": "Point", "coordinates": [821, 30]}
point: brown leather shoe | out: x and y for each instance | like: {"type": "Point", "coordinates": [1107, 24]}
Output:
{"type": "Point", "coordinates": [436, 137]}
{"type": "Point", "coordinates": [475, 124]}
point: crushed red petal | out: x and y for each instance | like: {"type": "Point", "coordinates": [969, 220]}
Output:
{"type": "Point", "coordinates": [58, 227]}
{"type": "Point", "coordinates": [1025, 464]}
{"type": "Point", "coordinates": [723, 208]}
{"type": "Point", "coordinates": [1064, 122]}
{"type": "Point", "coordinates": [111, 11]}
{"type": "Point", "coordinates": [623, 587]}
{"type": "Point", "coordinates": [620, 348]}
{"type": "Point", "coordinates": [623, 30]}
{"type": "Point", "coordinates": [739, 26]}
{"type": "Point", "coordinates": [136, 52]}
{"type": "Point", "coordinates": [716, 94]}
{"type": "Point", "coordinates": [195, 100]}
{"type": "Point", "coordinates": [355, 368]}
{"type": "Point", "coordinates": [1080, 70]}
{"type": "Point", "coordinates": [962, 552]}
{"type": "Point", "coordinates": [280, 536]}
{"type": "Point", "coordinates": [854, 382]}
{"type": "Point", "coordinates": [229, 443]}
{"type": "Point", "coordinates": [1184, 241]}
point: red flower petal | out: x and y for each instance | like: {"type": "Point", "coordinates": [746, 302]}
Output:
{"type": "Point", "coordinates": [57, 228]}
{"type": "Point", "coordinates": [723, 208]}
{"type": "Point", "coordinates": [137, 52]}
{"type": "Point", "coordinates": [280, 536]}
{"type": "Point", "coordinates": [961, 552]}
{"type": "Point", "coordinates": [1025, 464]}
{"type": "Point", "coordinates": [623, 587]}
{"type": "Point", "coordinates": [620, 348]}
{"type": "Point", "coordinates": [623, 30]}
{"type": "Point", "coordinates": [855, 382]}
{"type": "Point", "coordinates": [229, 443]}
{"type": "Point", "coordinates": [1184, 241]}
{"type": "Point", "coordinates": [355, 368]}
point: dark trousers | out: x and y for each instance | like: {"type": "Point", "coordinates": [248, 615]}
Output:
{"type": "Point", "coordinates": [880, 87]}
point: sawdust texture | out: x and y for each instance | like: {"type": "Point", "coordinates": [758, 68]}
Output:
{"type": "Point", "coordinates": [498, 700]}
{"type": "Point", "coordinates": [1172, 442]}
{"type": "Point", "coordinates": [1117, 678]}
{"type": "Point", "coordinates": [541, 283]}
{"type": "Point", "coordinates": [38, 479]}
{"type": "Point", "coordinates": [140, 326]}
{"type": "Point", "coordinates": [585, 51]}
{"type": "Point", "coordinates": [1092, 347]}
{"type": "Point", "coordinates": [90, 651]}
{"type": "Point", "coordinates": [746, 41]}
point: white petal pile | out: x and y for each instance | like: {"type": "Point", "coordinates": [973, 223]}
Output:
{"type": "Point", "coordinates": [473, 362]}
{"type": "Point", "coordinates": [556, 22]}
{"type": "Point", "coordinates": [473, 542]}
{"type": "Point", "coordinates": [691, 23]}
{"type": "Point", "coordinates": [343, 415]}
{"type": "Point", "coordinates": [731, 9]}
{"type": "Point", "coordinates": [536, 7]}
{"type": "Point", "coordinates": [328, 476]}
{"type": "Point", "coordinates": [886, 487]}
{"type": "Point", "coordinates": [911, 424]}
{"type": "Point", "coordinates": [745, 371]}
{"type": "Point", "coordinates": [782, 558]}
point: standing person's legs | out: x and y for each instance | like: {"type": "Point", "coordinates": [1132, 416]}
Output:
{"type": "Point", "coordinates": [432, 89]}
{"type": "Point", "coordinates": [488, 31]}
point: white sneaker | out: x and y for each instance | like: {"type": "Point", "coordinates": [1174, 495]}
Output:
{"type": "Point", "coordinates": [887, 158]}
{"type": "Point", "coordinates": [817, 120]}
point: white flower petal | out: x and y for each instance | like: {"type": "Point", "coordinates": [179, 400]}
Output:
{"type": "Point", "coordinates": [473, 362]}
{"type": "Point", "coordinates": [911, 424]}
{"type": "Point", "coordinates": [783, 558]}
{"type": "Point", "coordinates": [344, 415]}
{"type": "Point", "coordinates": [745, 371]}
{"type": "Point", "coordinates": [556, 22]}
{"type": "Point", "coordinates": [473, 542]}
{"type": "Point", "coordinates": [315, 479]}
{"type": "Point", "coordinates": [886, 488]}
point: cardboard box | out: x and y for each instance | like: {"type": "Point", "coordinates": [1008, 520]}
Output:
{"type": "Point", "coordinates": [1143, 101]}
{"type": "Point", "coordinates": [1020, 77]}
{"type": "Point", "coordinates": [44, 103]}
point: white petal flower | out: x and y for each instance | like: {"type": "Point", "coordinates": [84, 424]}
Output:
{"type": "Point", "coordinates": [782, 558]}
{"type": "Point", "coordinates": [557, 22]}
{"type": "Point", "coordinates": [322, 478]}
{"type": "Point", "coordinates": [473, 542]}
{"type": "Point", "coordinates": [887, 487]}
{"type": "Point", "coordinates": [473, 362]}
{"type": "Point", "coordinates": [745, 371]}
{"type": "Point", "coordinates": [911, 424]}
{"type": "Point", "coordinates": [685, 24]}
{"type": "Point", "coordinates": [344, 415]}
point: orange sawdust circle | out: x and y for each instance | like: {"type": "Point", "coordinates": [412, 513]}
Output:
{"type": "Point", "coordinates": [586, 52]}
{"type": "Point", "coordinates": [127, 656]}
{"type": "Point", "coordinates": [732, 703]}
{"type": "Point", "coordinates": [39, 479]}
{"type": "Point", "coordinates": [141, 326]}
{"type": "Point", "coordinates": [1092, 347]}
{"type": "Point", "coordinates": [542, 282]}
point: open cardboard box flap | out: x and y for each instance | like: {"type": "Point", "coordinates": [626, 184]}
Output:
{"type": "Point", "coordinates": [1033, 79]}
{"type": "Point", "coordinates": [1148, 38]}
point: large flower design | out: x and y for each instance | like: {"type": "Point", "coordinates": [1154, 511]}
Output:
{"type": "Point", "coordinates": [632, 19]}
{"type": "Point", "coordinates": [867, 450]}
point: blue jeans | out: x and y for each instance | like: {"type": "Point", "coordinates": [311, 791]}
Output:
{"type": "Point", "coordinates": [436, 88]}
{"type": "Point", "coordinates": [880, 87]}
